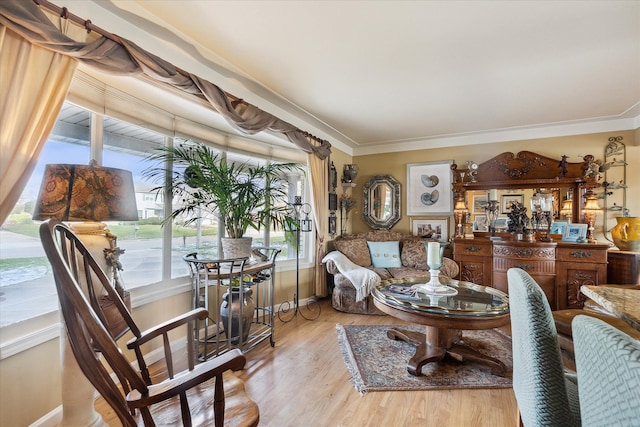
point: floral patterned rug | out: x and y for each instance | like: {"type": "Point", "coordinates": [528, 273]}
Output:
{"type": "Point", "coordinates": [377, 363]}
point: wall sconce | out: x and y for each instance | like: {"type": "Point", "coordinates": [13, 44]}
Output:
{"type": "Point", "coordinates": [460, 211]}
{"type": "Point", "coordinates": [591, 210]}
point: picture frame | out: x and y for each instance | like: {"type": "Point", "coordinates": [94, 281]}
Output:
{"type": "Point", "coordinates": [558, 227]}
{"type": "Point", "coordinates": [436, 227]}
{"type": "Point", "coordinates": [429, 188]}
{"type": "Point", "coordinates": [507, 199]}
{"type": "Point", "coordinates": [480, 223]}
{"type": "Point", "coordinates": [502, 224]}
{"type": "Point", "coordinates": [479, 204]}
{"type": "Point", "coordinates": [575, 233]}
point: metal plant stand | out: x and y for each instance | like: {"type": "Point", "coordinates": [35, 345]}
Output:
{"type": "Point", "coordinates": [292, 309]}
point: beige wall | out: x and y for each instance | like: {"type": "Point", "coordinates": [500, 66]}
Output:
{"type": "Point", "coordinates": [23, 377]}
{"type": "Point", "coordinates": [575, 147]}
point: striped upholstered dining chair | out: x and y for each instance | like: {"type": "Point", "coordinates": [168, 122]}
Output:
{"type": "Point", "coordinates": [608, 367]}
{"type": "Point", "coordinates": [545, 396]}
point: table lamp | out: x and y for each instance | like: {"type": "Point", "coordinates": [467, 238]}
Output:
{"type": "Point", "coordinates": [567, 209]}
{"type": "Point", "coordinates": [88, 193]}
{"type": "Point", "coordinates": [591, 210]}
{"type": "Point", "coordinates": [460, 210]}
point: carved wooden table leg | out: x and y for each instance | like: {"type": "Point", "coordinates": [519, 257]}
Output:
{"type": "Point", "coordinates": [463, 353]}
{"type": "Point", "coordinates": [436, 344]}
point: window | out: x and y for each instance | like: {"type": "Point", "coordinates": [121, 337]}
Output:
{"type": "Point", "coordinates": [26, 283]}
{"type": "Point", "coordinates": [153, 253]}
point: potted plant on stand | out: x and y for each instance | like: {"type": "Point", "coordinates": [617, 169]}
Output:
{"type": "Point", "coordinates": [241, 194]}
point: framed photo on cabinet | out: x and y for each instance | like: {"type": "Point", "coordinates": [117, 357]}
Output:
{"type": "Point", "coordinates": [575, 233]}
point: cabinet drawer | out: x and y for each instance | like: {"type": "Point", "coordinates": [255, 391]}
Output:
{"type": "Point", "coordinates": [585, 254]}
{"type": "Point", "coordinates": [524, 252]}
{"type": "Point", "coordinates": [531, 266]}
{"type": "Point", "coordinates": [470, 248]}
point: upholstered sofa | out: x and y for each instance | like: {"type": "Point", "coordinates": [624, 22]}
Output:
{"type": "Point", "coordinates": [359, 262]}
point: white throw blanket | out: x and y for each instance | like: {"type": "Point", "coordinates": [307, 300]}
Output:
{"type": "Point", "coordinates": [363, 279]}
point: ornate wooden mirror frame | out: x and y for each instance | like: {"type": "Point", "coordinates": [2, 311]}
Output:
{"type": "Point", "coordinates": [527, 170]}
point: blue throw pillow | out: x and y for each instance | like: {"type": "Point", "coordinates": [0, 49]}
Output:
{"type": "Point", "coordinates": [385, 254]}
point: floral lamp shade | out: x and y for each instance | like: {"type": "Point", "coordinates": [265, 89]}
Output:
{"type": "Point", "coordinates": [86, 193]}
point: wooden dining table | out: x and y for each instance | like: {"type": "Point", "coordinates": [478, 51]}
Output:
{"type": "Point", "coordinates": [623, 303]}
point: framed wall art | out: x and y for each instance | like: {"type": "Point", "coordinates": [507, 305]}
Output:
{"type": "Point", "coordinates": [505, 202]}
{"type": "Point", "coordinates": [431, 228]}
{"type": "Point", "coordinates": [429, 188]}
{"type": "Point", "coordinates": [479, 203]}
{"type": "Point", "coordinates": [575, 233]}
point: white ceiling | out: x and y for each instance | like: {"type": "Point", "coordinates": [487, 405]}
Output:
{"type": "Point", "coordinates": [385, 74]}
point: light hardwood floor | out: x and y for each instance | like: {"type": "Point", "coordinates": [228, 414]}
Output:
{"type": "Point", "coordinates": [303, 381]}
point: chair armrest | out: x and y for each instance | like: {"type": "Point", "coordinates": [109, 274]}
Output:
{"type": "Point", "coordinates": [233, 360]}
{"type": "Point", "coordinates": [163, 328]}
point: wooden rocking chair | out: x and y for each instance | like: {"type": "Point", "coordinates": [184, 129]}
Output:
{"type": "Point", "coordinates": [207, 393]}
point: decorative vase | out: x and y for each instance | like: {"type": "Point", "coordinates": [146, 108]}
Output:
{"type": "Point", "coordinates": [626, 234]}
{"type": "Point", "coordinates": [236, 248]}
{"type": "Point", "coordinates": [349, 172]}
{"type": "Point", "coordinates": [232, 309]}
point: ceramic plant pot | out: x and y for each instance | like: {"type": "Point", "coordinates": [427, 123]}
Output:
{"type": "Point", "coordinates": [236, 248]}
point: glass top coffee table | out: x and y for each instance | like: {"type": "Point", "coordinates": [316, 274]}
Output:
{"type": "Point", "coordinates": [468, 306]}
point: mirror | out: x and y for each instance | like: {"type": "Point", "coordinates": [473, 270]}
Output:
{"type": "Point", "coordinates": [381, 203]}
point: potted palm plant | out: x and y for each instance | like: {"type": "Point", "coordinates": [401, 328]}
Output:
{"type": "Point", "coordinates": [243, 195]}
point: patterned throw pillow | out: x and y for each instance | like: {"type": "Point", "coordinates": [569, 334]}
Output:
{"type": "Point", "coordinates": [414, 254]}
{"type": "Point", "coordinates": [354, 249]}
{"type": "Point", "coordinates": [385, 254]}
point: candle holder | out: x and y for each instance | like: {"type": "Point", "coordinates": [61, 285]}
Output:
{"type": "Point", "coordinates": [492, 214]}
{"type": "Point", "coordinates": [435, 251]}
{"type": "Point", "coordinates": [546, 206]}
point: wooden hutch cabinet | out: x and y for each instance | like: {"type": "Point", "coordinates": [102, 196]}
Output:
{"type": "Point", "coordinates": [560, 268]}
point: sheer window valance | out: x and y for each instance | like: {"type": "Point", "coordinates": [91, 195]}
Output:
{"type": "Point", "coordinates": [125, 57]}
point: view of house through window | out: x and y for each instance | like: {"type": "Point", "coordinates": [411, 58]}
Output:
{"type": "Point", "coordinates": [151, 254]}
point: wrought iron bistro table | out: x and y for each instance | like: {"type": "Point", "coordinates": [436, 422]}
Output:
{"type": "Point", "coordinates": [445, 316]}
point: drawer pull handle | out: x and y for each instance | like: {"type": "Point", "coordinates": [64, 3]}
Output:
{"type": "Point", "coordinates": [525, 267]}
{"type": "Point", "coordinates": [581, 254]}
{"type": "Point", "coordinates": [472, 248]}
{"type": "Point", "coordinates": [526, 252]}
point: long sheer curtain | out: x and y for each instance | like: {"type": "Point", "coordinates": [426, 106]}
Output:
{"type": "Point", "coordinates": [319, 193]}
{"type": "Point", "coordinates": [33, 86]}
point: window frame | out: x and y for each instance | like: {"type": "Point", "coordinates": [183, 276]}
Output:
{"type": "Point", "coordinates": [17, 337]}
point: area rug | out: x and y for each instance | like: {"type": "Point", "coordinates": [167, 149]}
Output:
{"type": "Point", "coordinates": [378, 363]}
